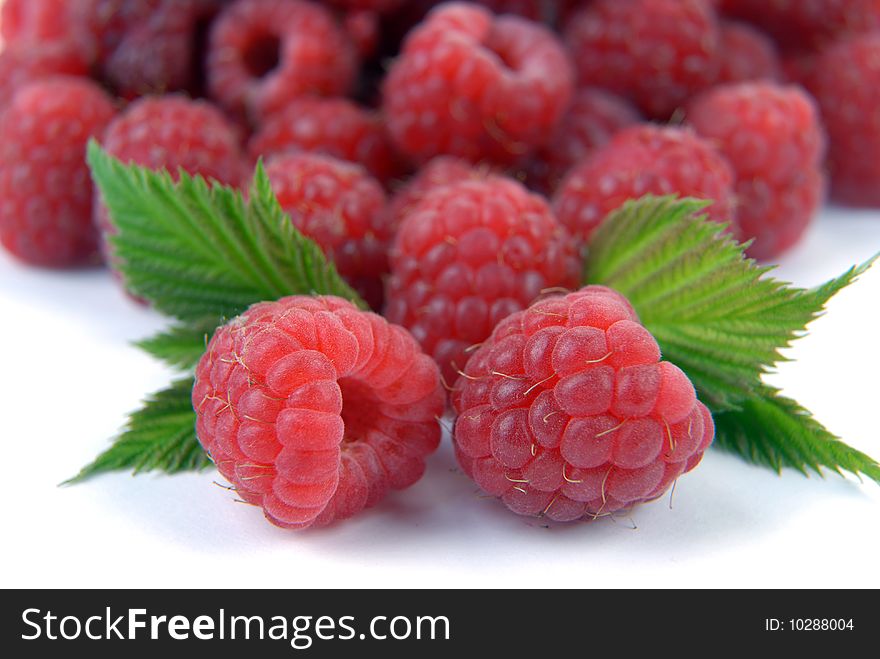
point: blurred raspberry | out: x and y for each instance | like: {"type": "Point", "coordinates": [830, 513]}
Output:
{"type": "Point", "coordinates": [656, 52]}
{"type": "Point", "coordinates": [265, 53]}
{"type": "Point", "coordinates": [163, 52]}
{"type": "Point", "coordinates": [594, 117]}
{"type": "Point", "coordinates": [468, 255]}
{"type": "Point", "coordinates": [173, 132]}
{"type": "Point", "coordinates": [644, 160]}
{"type": "Point", "coordinates": [846, 83]}
{"type": "Point", "coordinates": [333, 126]}
{"type": "Point", "coordinates": [773, 138]}
{"type": "Point", "coordinates": [341, 207]}
{"type": "Point", "coordinates": [567, 412]}
{"type": "Point", "coordinates": [21, 64]}
{"type": "Point", "coordinates": [45, 189]}
{"type": "Point", "coordinates": [747, 54]}
{"type": "Point", "coordinates": [477, 86]}
{"type": "Point", "coordinates": [314, 410]}
{"type": "Point", "coordinates": [799, 25]}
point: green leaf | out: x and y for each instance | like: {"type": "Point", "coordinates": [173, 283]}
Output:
{"type": "Point", "coordinates": [160, 436]}
{"type": "Point", "coordinates": [182, 345]}
{"type": "Point", "coordinates": [715, 313]}
{"type": "Point", "coordinates": [195, 250]}
{"type": "Point", "coordinates": [776, 432]}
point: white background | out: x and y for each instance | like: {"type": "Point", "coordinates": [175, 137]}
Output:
{"type": "Point", "coordinates": [68, 375]}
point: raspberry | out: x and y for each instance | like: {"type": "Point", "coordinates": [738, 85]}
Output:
{"type": "Point", "coordinates": [380, 6]}
{"type": "Point", "coordinates": [644, 160]}
{"type": "Point", "coordinates": [341, 207]}
{"type": "Point", "coordinates": [657, 52]}
{"type": "Point", "coordinates": [567, 412]}
{"type": "Point", "coordinates": [747, 54]}
{"type": "Point", "coordinates": [314, 410]}
{"type": "Point", "coordinates": [333, 126]}
{"type": "Point", "coordinates": [46, 23]}
{"type": "Point", "coordinates": [594, 117]}
{"type": "Point", "coordinates": [173, 132]}
{"type": "Point", "coordinates": [436, 173]}
{"type": "Point", "coordinates": [773, 138]}
{"type": "Point", "coordinates": [161, 53]}
{"type": "Point", "coordinates": [20, 64]}
{"type": "Point", "coordinates": [476, 86]}
{"type": "Point", "coordinates": [807, 24]}
{"type": "Point", "coordinates": [264, 53]}
{"type": "Point", "coordinates": [468, 255]}
{"type": "Point", "coordinates": [846, 84]}
{"type": "Point", "coordinates": [108, 21]}
{"type": "Point", "coordinates": [45, 190]}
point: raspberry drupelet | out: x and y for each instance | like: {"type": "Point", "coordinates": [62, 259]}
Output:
{"type": "Point", "coordinates": [471, 84]}
{"type": "Point", "coordinates": [567, 412]}
{"type": "Point", "coordinates": [468, 255]}
{"type": "Point", "coordinates": [314, 410]}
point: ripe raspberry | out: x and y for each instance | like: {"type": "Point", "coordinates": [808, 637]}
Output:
{"type": "Point", "coordinates": [747, 54]}
{"type": "Point", "coordinates": [44, 23]}
{"type": "Point", "coordinates": [476, 86]}
{"type": "Point", "coordinates": [594, 117]}
{"type": "Point", "coordinates": [172, 132]}
{"type": "Point", "coordinates": [436, 173]}
{"type": "Point", "coordinates": [643, 160]}
{"type": "Point", "coordinates": [380, 6]}
{"type": "Point", "coordinates": [332, 126]}
{"type": "Point", "coordinates": [341, 207]}
{"type": "Point", "coordinates": [108, 21]}
{"type": "Point", "coordinates": [264, 53]}
{"type": "Point", "coordinates": [807, 24]}
{"type": "Point", "coordinates": [657, 52]}
{"type": "Point", "coordinates": [567, 412]}
{"type": "Point", "coordinates": [314, 410]}
{"type": "Point", "coordinates": [468, 255]}
{"type": "Point", "coordinates": [161, 53]}
{"type": "Point", "coordinates": [846, 84]}
{"type": "Point", "coordinates": [45, 190]}
{"type": "Point", "coordinates": [21, 64]}
{"type": "Point", "coordinates": [773, 138]}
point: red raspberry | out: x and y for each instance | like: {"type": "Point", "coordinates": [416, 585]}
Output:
{"type": "Point", "coordinates": [161, 53]}
{"type": "Point", "coordinates": [643, 160]}
{"type": "Point", "coordinates": [436, 173]}
{"type": "Point", "coordinates": [657, 52]}
{"type": "Point", "coordinates": [476, 86]}
{"type": "Point", "coordinates": [747, 54]}
{"type": "Point", "coordinates": [43, 23]}
{"type": "Point", "coordinates": [264, 53]}
{"type": "Point", "coordinates": [846, 83]}
{"type": "Point", "coordinates": [21, 64]}
{"type": "Point", "coordinates": [108, 21]}
{"type": "Point", "coordinates": [173, 132]}
{"type": "Point", "coordinates": [380, 6]}
{"type": "Point", "coordinates": [807, 24]}
{"type": "Point", "coordinates": [567, 412]}
{"type": "Point", "coordinates": [45, 190]}
{"type": "Point", "coordinates": [592, 120]}
{"type": "Point", "coordinates": [773, 138]}
{"type": "Point", "coordinates": [467, 256]}
{"type": "Point", "coordinates": [341, 207]}
{"type": "Point", "coordinates": [314, 410]}
{"type": "Point", "coordinates": [333, 126]}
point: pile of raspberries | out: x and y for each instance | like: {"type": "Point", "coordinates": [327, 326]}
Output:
{"type": "Point", "coordinates": [454, 159]}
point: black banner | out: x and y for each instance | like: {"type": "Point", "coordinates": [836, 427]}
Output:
{"type": "Point", "coordinates": [318, 623]}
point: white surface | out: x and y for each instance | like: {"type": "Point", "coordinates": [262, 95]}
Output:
{"type": "Point", "coordinates": [69, 376]}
